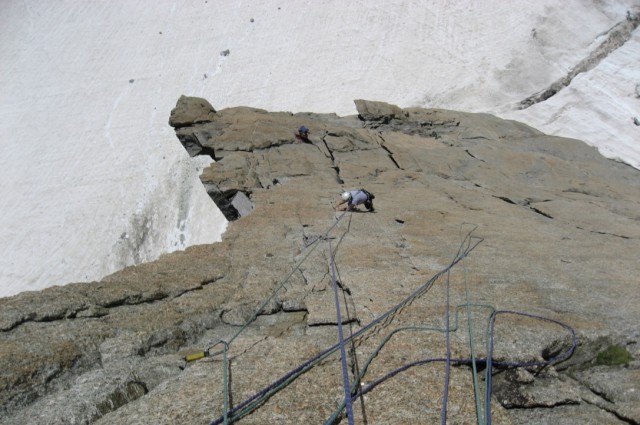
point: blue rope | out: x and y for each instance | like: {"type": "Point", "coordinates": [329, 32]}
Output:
{"type": "Point", "coordinates": [332, 419]}
{"type": "Point", "coordinates": [474, 367]}
{"type": "Point", "coordinates": [225, 375]}
{"type": "Point", "coordinates": [225, 349]}
{"type": "Point", "coordinates": [261, 396]}
{"type": "Point", "coordinates": [343, 352]}
{"type": "Point", "coordinates": [273, 294]}
{"type": "Point", "coordinates": [445, 397]}
{"type": "Point", "coordinates": [458, 362]}
{"type": "Point", "coordinates": [489, 376]}
{"type": "Point", "coordinates": [556, 359]}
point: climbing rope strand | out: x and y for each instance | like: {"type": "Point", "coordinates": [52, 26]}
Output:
{"type": "Point", "coordinates": [343, 352]}
{"type": "Point", "coordinates": [352, 349]}
{"type": "Point", "coordinates": [257, 312]}
{"type": "Point", "coordinates": [387, 317]}
{"type": "Point", "coordinates": [260, 397]}
{"type": "Point", "coordinates": [474, 367]}
{"type": "Point", "coordinates": [225, 377]}
{"type": "Point", "coordinates": [283, 282]}
{"type": "Point", "coordinates": [447, 369]}
{"type": "Point", "coordinates": [558, 358]}
{"type": "Point", "coordinates": [555, 359]}
{"type": "Point", "coordinates": [326, 233]}
{"type": "Point", "coordinates": [358, 379]}
{"type": "Point", "coordinates": [470, 328]}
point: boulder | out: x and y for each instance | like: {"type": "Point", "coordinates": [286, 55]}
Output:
{"type": "Point", "coordinates": [191, 110]}
{"type": "Point", "coordinates": [369, 110]}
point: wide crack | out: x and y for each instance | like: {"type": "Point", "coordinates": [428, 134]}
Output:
{"type": "Point", "coordinates": [333, 161]}
{"type": "Point", "coordinates": [389, 153]}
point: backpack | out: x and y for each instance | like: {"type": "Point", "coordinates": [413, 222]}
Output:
{"type": "Point", "coordinates": [370, 195]}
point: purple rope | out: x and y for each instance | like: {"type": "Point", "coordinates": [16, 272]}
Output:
{"type": "Point", "coordinates": [558, 358]}
{"type": "Point", "coordinates": [458, 362]}
{"type": "Point", "coordinates": [310, 363]}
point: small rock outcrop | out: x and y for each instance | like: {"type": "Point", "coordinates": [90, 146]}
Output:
{"type": "Point", "coordinates": [191, 110]}
{"type": "Point", "coordinates": [498, 261]}
{"type": "Point", "coordinates": [377, 111]}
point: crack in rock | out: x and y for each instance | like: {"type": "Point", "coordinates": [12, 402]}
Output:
{"type": "Point", "coordinates": [617, 36]}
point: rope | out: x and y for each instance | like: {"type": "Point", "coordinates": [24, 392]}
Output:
{"type": "Point", "coordinates": [283, 282]}
{"type": "Point", "coordinates": [263, 395]}
{"type": "Point", "coordinates": [474, 368]}
{"type": "Point", "coordinates": [352, 350]}
{"type": "Point", "coordinates": [252, 403]}
{"type": "Point", "coordinates": [385, 340]}
{"type": "Point", "coordinates": [343, 353]}
{"type": "Point", "coordinates": [558, 358]}
{"type": "Point", "coordinates": [225, 349]}
{"type": "Point", "coordinates": [464, 249]}
{"type": "Point", "coordinates": [225, 375]}
{"type": "Point", "coordinates": [474, 373]}
{"type": "Point", "coordinates": [445, 397]}
{"type": "Point", "coordinates": [457, 362]}
{"type": "Point", "coordinates": [489, 376]}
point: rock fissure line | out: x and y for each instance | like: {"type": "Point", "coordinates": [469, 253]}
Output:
{"type": "Point", "coordinates": [616, 37]}
{"type": "Point", "coordinates": [75, 313]}
{"type": "Point", "coordinates": [505, 199]}
{"type": "Point", "coordinates": [526, 204]}
{"type": "Point", "coordinates": [580, 191]}
{"type": "Point", "coordinates": [600, 394]}
{"type": "Point", "coordinates": [472, 155]}
{"type": "Point", "coordinates": [335, 167]}
{"type": "Point", "coordinates": [163, 331]}
{"type": "Point", "coordinates": [542, 213]}
{"type": "Point", "coordinates": [611, 410]}
{"type": "Point", "coordinates": [325, 324]}
{"type": "Point", "coordinates": [324, 140]}
{"type": "Point", "coordinates": [609, 234]}
{"type": "Point", "coordinates": [391, 157]}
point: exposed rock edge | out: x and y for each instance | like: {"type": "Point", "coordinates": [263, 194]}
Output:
{"type": "Point", "coordinates": [560, 235]}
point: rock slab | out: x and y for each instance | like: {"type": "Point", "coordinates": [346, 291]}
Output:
{"type": "Point", "coordinates": [549, 231]}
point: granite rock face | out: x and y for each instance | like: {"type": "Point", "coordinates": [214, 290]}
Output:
{"type": "Point", "coordinates": [191, 110]}
{"type": "Point", "coordinates": [488, 238]}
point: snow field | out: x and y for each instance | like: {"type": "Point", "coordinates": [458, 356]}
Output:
{"type": "Point", "coordinates": [94, 179]}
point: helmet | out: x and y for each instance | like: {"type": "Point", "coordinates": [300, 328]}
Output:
{"type": "Point", "coordinates": [303, 130]}
{"type": "Point", "coordinates": [346, 195]}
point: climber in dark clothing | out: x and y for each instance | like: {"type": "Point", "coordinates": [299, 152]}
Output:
{"type": "Point", "coordinates": [354, 198]}
{"type": "Point", "coordinates": [303, 134]}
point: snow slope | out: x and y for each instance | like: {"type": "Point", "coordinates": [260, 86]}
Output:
{"type": "Point", "coordinates": [94, 179]}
